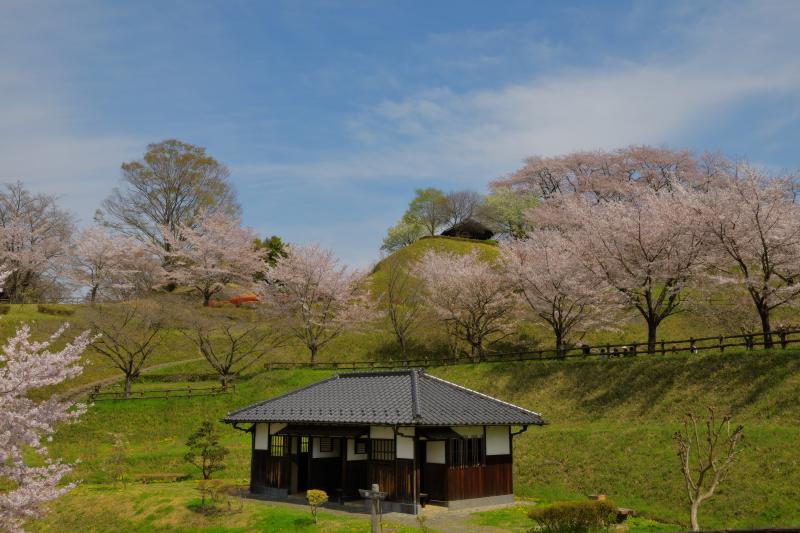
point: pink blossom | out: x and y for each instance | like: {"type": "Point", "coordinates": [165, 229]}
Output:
{"type": "Point", "coordinates": [212, 253]}
{"type": "Point", "coordinates": [313, 297]}
{"type": "Point", "coordinates": [469, 295]}
{"type": "Point", "coordinates": [26, 365]}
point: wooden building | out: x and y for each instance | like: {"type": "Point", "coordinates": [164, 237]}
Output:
{"type": "Point", "coordinates": [415, 435]}
{"type": "Point", "coordinates": [470, 229]}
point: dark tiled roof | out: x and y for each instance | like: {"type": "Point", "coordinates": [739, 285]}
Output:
{"type": "Point", "coordinates": [404, 397]}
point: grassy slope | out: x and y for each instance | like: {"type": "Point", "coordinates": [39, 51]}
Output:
{"type": "Point", "coordinates": [610, 429]}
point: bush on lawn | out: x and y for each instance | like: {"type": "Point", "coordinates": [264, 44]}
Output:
{"type": "Point", "coordinates": [574, 517]}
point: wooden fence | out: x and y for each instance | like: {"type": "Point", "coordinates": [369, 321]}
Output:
{"type": "Point", "coordinates": [749, 341]}
{"type": "Point", "coordinates": [186, 392]}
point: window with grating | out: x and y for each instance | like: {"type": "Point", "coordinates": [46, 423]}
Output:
{"type": "Point", "coordinates": [382, 449]}
{"type": "Point", "coordinates": [325, 444]}
{"type": "Point", "coordinates": [360, 446]}
{"type": "Point", "coordinates": [467, 452]}
{"type": "Point", "coordinates": [277, 446]}
{"type": "Point", "coordinates": [304, 444]}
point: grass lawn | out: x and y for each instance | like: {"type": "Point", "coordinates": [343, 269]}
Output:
{"type": "Point", "coordinates": [175, 507]}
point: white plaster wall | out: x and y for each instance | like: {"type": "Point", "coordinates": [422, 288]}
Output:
{"type": "Point", "coordinates": [381, 432]}
{"type": "Point", "coordinates": [351, 451]}
{"type": "Point", "coordinates": [469, 431]}
{"type": "Point", "coordinates": [276, 427]}
{"type": "Point", "coordinates": [405, 445]}
{"type": "Point", "coordinates": [497, 441]}
{"type": "Point", "coordinates": [262, 436]}
{"type": "Point", "coordinates": [316, 454]}
{"type": "Point", "coordinates": [434, 452]}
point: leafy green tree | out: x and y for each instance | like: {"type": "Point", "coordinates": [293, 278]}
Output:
{"type": "Point", "coordinates": [205, 451]}
{"type": "Point", "coordinates": [504, 209]}
{"type": "Point", "coordinates": [429, 209]}
{"type": "Point", "coordinates": [166, 189]}
{"type": "Point", "coordinates": [401, 235]}
{"type": "Point", "coordinates": [274, 248]}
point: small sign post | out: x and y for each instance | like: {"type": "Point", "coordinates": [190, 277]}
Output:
{"type": "Point", "coordinates": [375, 496]}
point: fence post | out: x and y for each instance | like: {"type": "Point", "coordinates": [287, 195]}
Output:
{"type": "Point", "coordinates": [692, 347]}
{"type": "Point", "coordinates": [721, 344]}
{"type": "Point", "coordinates": [782, 335]}
{"type": "Point", "coordinates": [633, 349]}
{"type": "Point", "coordinates": [663, 348]}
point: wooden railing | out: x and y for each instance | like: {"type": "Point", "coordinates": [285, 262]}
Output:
{"type": "Point", "coordinates": [149, 394]}
{"type": "Point", "coordinates": [782, 339]}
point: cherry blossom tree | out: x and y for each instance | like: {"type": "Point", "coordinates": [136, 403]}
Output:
{"type": "Point", "coordinates": [469, 295]}
{"type": "Point", "coordinates": [606, 175]}
{"type": "Point", "coordinates": [753, 227]}
{"type": "Point", "coordinates": [26, 365]}
{"type": "Point", "coordinates": [34, 232]}
{"type": "Point", "coordinates": [551, 280]}
{"type": "Point", "coordinates": [314, 298]}
{"type": "Point", "coordinates": [213, 252]}
{"type": "Point", "coordinates": [111, 266]}
{"type": "Point", "coordinates": [648, 248]}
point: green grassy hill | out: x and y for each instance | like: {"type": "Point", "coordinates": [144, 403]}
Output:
{"type": "Point", "coordinates": [610, 428]}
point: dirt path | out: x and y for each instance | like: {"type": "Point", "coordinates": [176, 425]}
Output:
{"type": "Point", "coordinates": [77, 392]}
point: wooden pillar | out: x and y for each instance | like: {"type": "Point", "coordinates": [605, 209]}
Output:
{"type": "Point", "coordinates": [343, 454]}
{"type": "Point", "coordinates": [252, 457]}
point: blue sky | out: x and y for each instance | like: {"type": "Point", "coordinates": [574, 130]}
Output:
{"type": "Point", "coordinates": [330, 113]}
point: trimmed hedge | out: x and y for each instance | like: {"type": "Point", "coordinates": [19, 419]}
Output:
{"type": "Point", "coordinates": [55, 309]}
{"type": "Point", "coordinates": [574, 517]}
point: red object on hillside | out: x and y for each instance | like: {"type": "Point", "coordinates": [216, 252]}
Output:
{"type": "Point", "coordinates": [243, 299]}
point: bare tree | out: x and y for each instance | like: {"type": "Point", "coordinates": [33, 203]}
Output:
{"type": "Point", "coordinates": [168, 188]}
{"type": "Point", "coordinates": [463, 205]}
{"type": "Point", "coordinates": [706, 459]}
{"type": "Point", "coordinates": [401, 300]}
{"type": "Point", "coordinates": [129, 334]}
{"type": "Point", "coordinates": [231, 344]}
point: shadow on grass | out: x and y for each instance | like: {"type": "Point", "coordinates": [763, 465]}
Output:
{"type": "Point", "coordinates": [758, 382]}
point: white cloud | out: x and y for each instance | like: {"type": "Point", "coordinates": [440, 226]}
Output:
{"type": "Point", "coordinates": [729, 54]}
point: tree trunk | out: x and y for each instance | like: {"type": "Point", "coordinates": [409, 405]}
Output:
{"type": "Point", "coordinates": [206, 299]}
{"type": "Point", "coordinates": [128, 381]}
{"type": "Point", "coordinates": [313, 349]}
{"type": "Point", "coordinates": [652, 329]}
{"type": "Point", "coordinates": [559, 342]}
{"type": "Point", "coordinates": [93, 295]}
{"type": "Point", "coordinates": [402, 340]}
{"type": "Point", "coordinates": [693, 515]}
{"type": "Point", "coordinates": [766, 329]}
